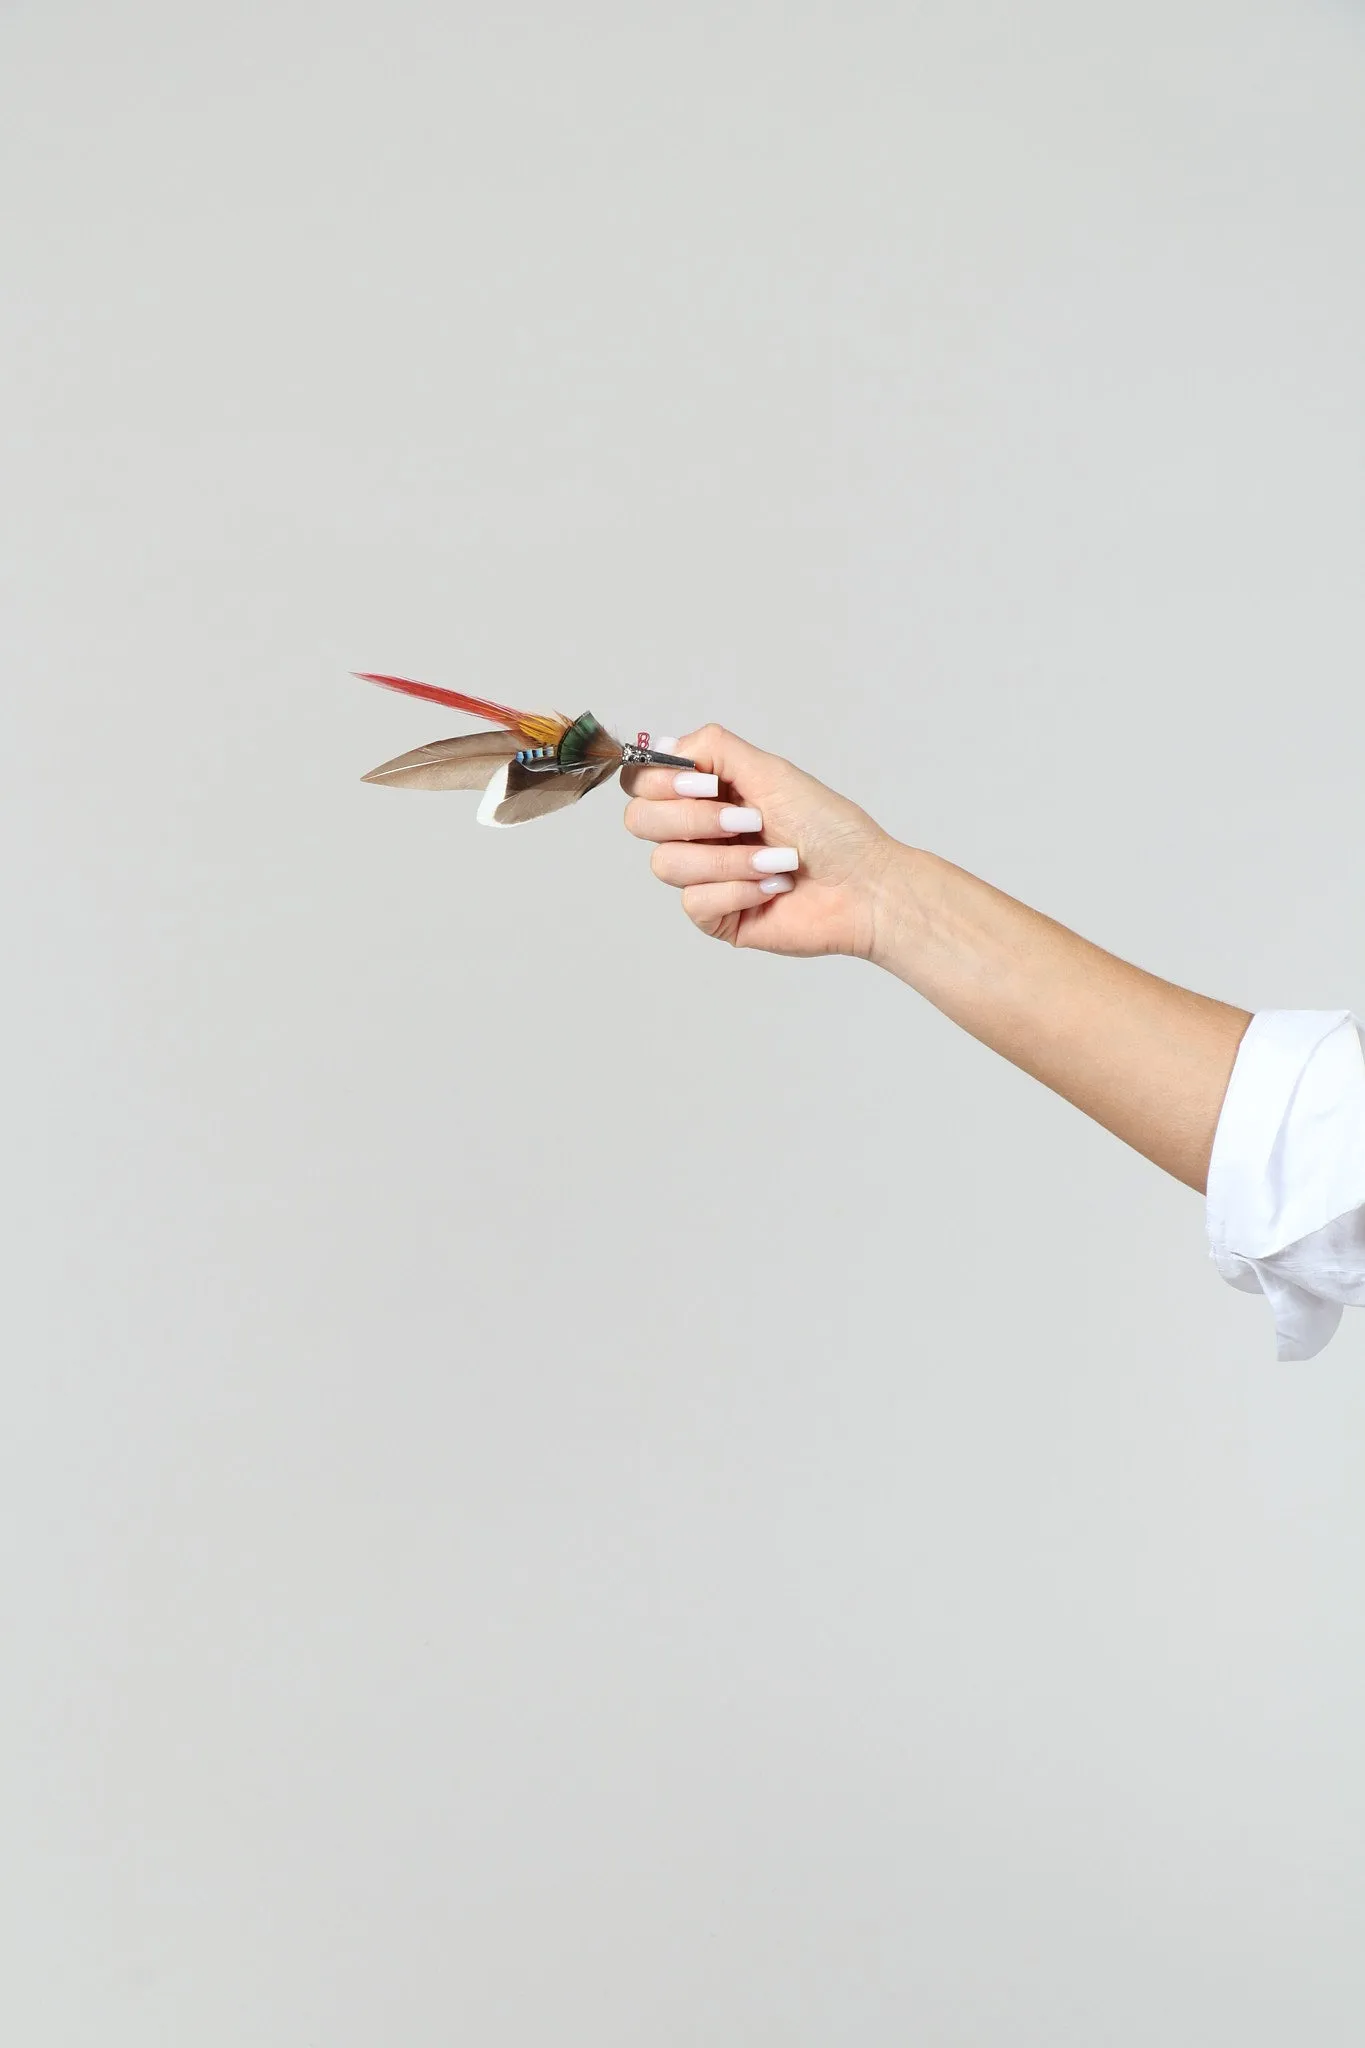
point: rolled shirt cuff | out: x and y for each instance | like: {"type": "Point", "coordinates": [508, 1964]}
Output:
{"type": "Point", "coordinates": [1286, 1189]}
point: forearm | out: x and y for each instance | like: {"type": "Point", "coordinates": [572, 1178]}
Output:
{"type": "Point", "coordinates": [1146, 1059]}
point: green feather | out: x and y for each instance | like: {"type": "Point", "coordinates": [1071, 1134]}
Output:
{"type": "Point", "coordinates": [574, 746]}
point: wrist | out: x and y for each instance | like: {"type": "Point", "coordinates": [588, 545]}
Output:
{"type": "Point", "coordinates": [903, 885]}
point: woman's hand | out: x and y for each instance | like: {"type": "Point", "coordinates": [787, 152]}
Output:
{"type": "Point", "coordinates": [764, 855]}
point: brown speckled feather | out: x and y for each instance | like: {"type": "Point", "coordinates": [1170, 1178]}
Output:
{"type": "Point", "coordinates": [535, 796]}
{"type": "Point", "coordinates": [463, 763]}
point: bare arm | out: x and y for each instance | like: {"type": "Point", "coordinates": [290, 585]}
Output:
{"type": "Point", "coordinates": [1147, 1060]}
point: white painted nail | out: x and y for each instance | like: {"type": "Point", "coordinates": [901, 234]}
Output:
{"type": "Point", "coordinates": [776, 885]}
{"type": "Point", "coordinates": [665, 744]}
{"type": "Point", "coordinates": [736, 818]}
{"type": "Point", "coordinates": [693, 783]}
{"type": "Point", "coordinates": [776, 860]}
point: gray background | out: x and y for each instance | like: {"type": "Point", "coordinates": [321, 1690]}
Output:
{"type": "Point", "coordinates": [559, 1484]}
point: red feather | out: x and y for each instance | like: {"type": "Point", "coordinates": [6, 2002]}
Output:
{"type": "Point", "coordinates": [533, 725]}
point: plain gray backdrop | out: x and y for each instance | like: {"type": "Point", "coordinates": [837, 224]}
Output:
{"type": "Point", "coordinates": [559, 1484]}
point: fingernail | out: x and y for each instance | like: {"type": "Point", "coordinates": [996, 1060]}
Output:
{"type": "Point", "coordinates": [735, 818]}
{"type": "Point", "coordinates": [775, 860]}
{"type": "Point", "coordinates": [666, 743]}
{"type": "Point", "coordinates": [776, 885]}
{"type": "Point", "coordinates": [693, 783]}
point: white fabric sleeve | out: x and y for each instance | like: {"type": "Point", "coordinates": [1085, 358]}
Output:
{"type": "Point", "coordinates": [1286, 1192]}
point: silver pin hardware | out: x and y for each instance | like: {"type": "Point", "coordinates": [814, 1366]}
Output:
{"type": "Point", "coordinates": [645, 757]}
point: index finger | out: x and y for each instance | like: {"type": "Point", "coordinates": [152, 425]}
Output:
{"type": "Point", "coordinates": [662, 783]}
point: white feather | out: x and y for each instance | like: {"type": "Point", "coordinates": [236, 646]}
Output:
{"type": "Point", "coordinates": [491, 798]}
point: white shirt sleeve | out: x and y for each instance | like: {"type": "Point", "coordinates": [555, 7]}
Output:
{"type": "Point", "coordinates": [1286, 1192]}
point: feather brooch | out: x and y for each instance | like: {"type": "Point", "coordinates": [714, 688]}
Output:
{"type": "Point", "coordinates": [534, 762]}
